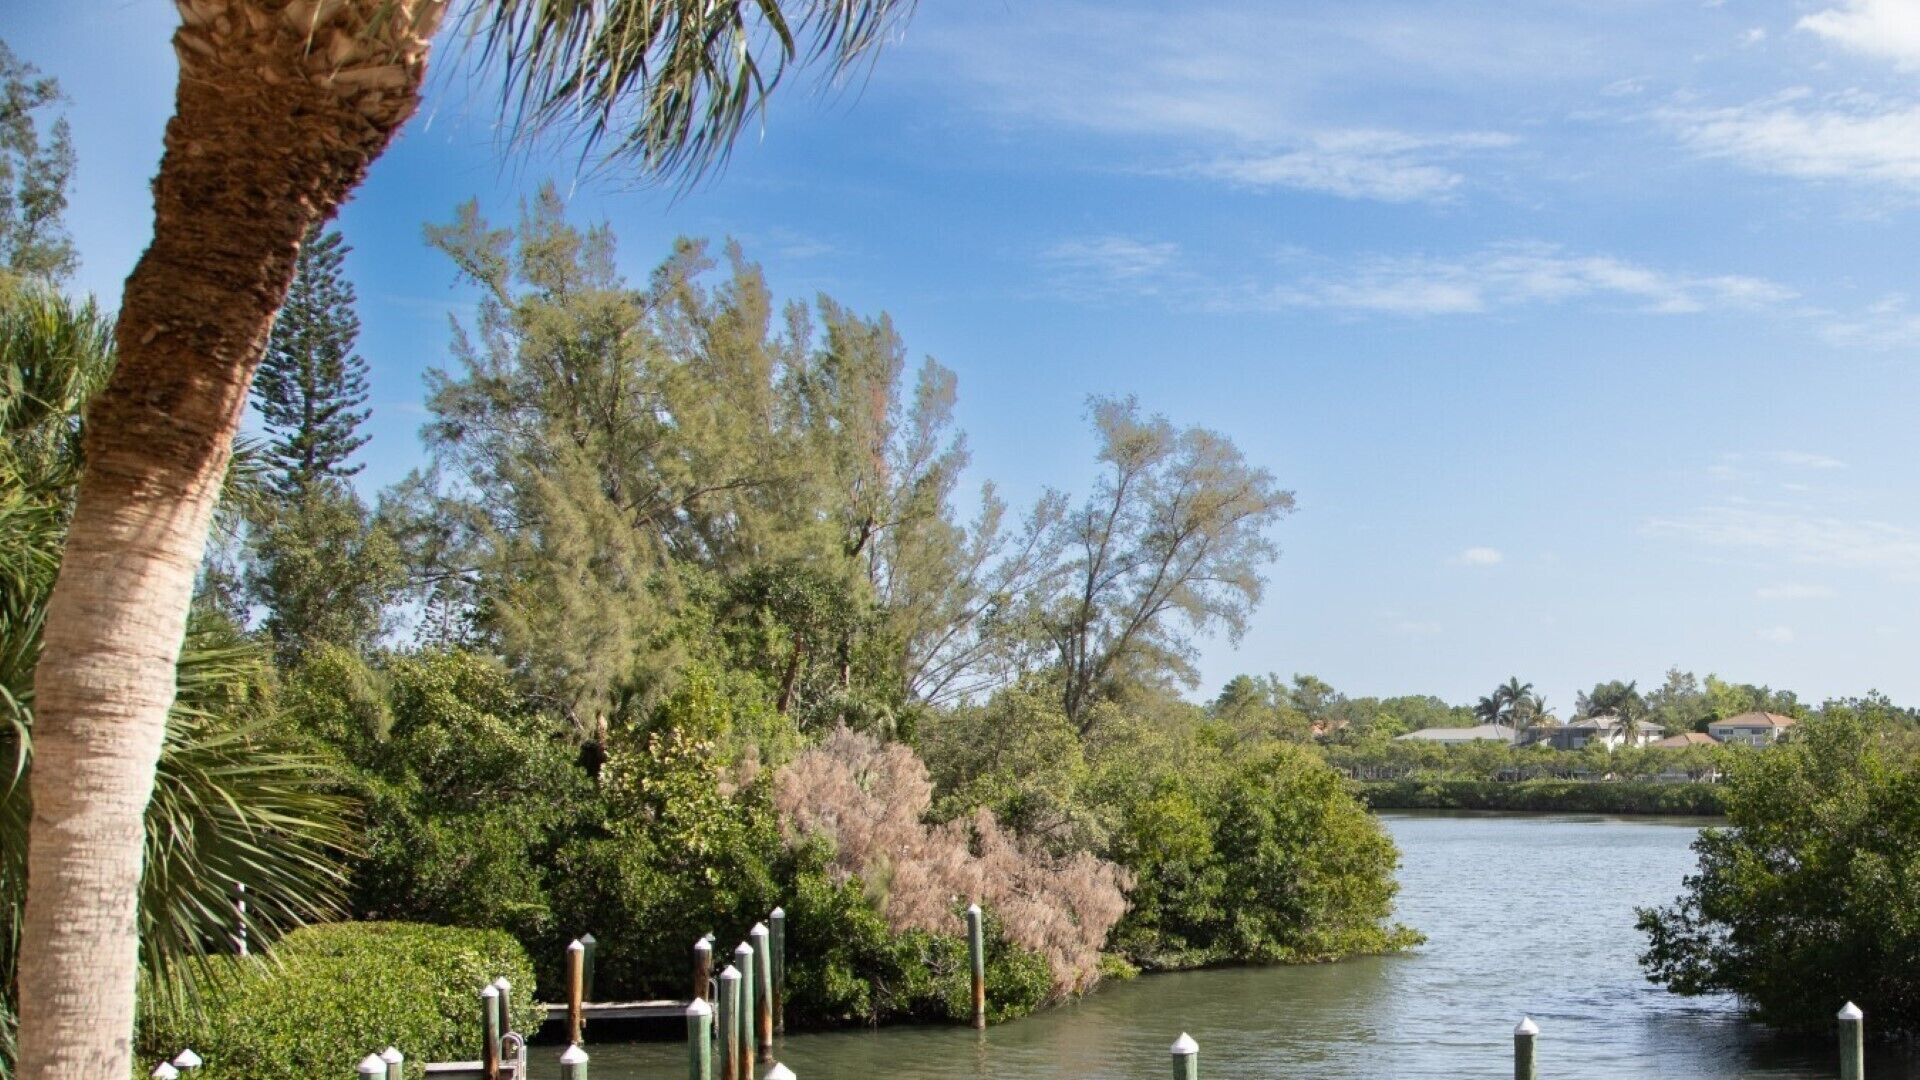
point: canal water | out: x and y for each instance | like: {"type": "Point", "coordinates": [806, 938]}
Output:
{"type": "Point", "coordinates": [1524, 915]}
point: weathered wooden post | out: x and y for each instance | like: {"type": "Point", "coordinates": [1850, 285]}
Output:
{"type": "Point", "coordinates": [1186, 1058]}
{"type": "Point", "coordinates": [977, 952]}
{"type": "Point", "coordinates": [699, 1040]}
{"type": "Point", "coordinates": [371, 1066]}
{"type": "Point", "coordinates": [240, 918]}
{"type": "Point", "coordinates": [573, 1063]}
{"type": "Point", "coordinates": [165, 1071]}
{"type": "Point", "coordinates": [702, 968]}
{"type": "Point", "coordinates": [763, 986]}
{"type": "Point", "coordinates": [395, 1062]}
{"type": "Point", "coordinates": [505, 1004]}
{"type": "Point", "coordinates": [1853, 1043]}
{"type": "Point", "coordinates": [1524, 1037]}
{"type": "Point", "coordinates": [576, 993]}
{"type": "Point", "coordinates": [727, 1023]}
{"type": "Point", "coordinates": [588, 944]}
{"type": "Point", "coordinates": [777, 922]}
{"type": "Point", "coordinates": [743, 960]}
{"type": "Point", "coordinates": [490, 1033]}
{"type": "Point", "coordinates": [186, 1060]}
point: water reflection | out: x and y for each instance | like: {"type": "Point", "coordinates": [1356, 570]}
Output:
{"type": "Point", "coordinates": [1524, 916]}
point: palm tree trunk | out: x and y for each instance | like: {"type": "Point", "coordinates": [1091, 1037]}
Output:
{"type": "Point", "coordinates": [281, 106]}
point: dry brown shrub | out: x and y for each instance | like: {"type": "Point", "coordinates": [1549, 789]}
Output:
{"type": "Point", "coordinates": [869, 800]}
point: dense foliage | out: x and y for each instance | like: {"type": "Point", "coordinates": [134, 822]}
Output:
{"type": "Point", "coordinates": [332, 994]}
{"type": "Point", "coordinates": [1808, 898]}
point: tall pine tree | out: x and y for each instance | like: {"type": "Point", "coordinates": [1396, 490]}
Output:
{"type": "Point", "coordinates": [311, 384]}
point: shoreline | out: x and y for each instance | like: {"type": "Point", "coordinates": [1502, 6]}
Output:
{"type": "Point", "coordinates": [1627, 798]}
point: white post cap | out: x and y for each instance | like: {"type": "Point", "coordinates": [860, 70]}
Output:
{"type": "Point", "coordinates": [490, 992]}
{"type": "Point", "coordinates": [1184, 1046]}
{"type": "Point", "coordinates": [730, 972]}
{"type": "Point", "coordinates": [777, 913]}
{"type": "Point", "coordinates": [503, 984]}
{"type": "Point", "coordinates": [1851, 1012]}
{"type": "Point", "coordinates": [164, 1071]}
{"type": "Point", "coordinates": [576, 946]}
{"type": "Point", "coordinates": [699, 1007]}
{"type": "Point", "coordinates": [371, 1065]}
{"type": "Point", "coordinates": [703, 945]}
{"type": "Point", "coordinates": [187, 1059]}
{"type": "Point", "coordinates": [1526, 1027]}
{"type": "Point", "coordinates": [392, 1055]}
{"type": "Point", "coordinates": [759, 930]}
{"type": "Point", "coordinates": [973, 909]}
{"type": "Point", "coordinates": [779, 1072]}
{"type": "Point", "coordinates": [589, 938]}
{"type": "Point", "coordinates": [743, 949]}
{"type": "Point", "coordinates": [573, 1055]}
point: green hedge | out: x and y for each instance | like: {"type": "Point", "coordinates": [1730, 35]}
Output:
{"type": "Point", "coordinates": [1569, 796]}
{"type": "Point", "coordinates": [328, 995]}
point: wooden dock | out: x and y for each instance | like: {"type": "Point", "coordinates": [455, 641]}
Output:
{"type": "Point", "coordinates": [622, 1010]}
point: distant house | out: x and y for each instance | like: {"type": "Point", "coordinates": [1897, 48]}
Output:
{"type": "Point", "coordinates": [1751, 728]}
{"type": "Point", "coordinates": [1456, 736]}
{"type": "Point", "coordinates": [1610, 731]}
{"type": "Point", "coordinates": [1686, 739]}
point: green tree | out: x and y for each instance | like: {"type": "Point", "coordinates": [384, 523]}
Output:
{"type": "Point", "coordinates": [34, 173]}
{"type": "Point", "coordinates": [311, 384]}
{"type": "Point", "coordinates": [325, 570]}
{"type": "Point", "coordinates": [1170, 543]}
{"type": "Point", "coordinates": [1679, 704]}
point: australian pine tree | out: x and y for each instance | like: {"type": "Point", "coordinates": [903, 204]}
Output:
{"type": "Point", "coordinates": [318, 564]}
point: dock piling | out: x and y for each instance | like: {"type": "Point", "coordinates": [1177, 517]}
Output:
{"type": "Point", "coordinates": [749, 1046]}
{"type": "Point", "coordinates": [576, 993]}
{"type": "Point", "coordinates": [728, 1023]}
{"type": "Point", "coordinates": [573, 1063]}
{"type": "Point", "coordinates": [490, 1033]}
{"type": "Point", "coordinates": [1186, 1058]}
{"type": "Point", "coordinates": [165, 1071]}
{"type": "Point", "coordinates": [763, 986]}
{"type": "Point", "coordinates": [699, 1040]}
{"type": "Point", "coordinates": [777, 923]}
{"type": "Point", "coordinates": [587, 945]}
{"type": "Point", "coordinates": [1853, 1048]}
{"type": "Point", "coordinates": [186, 1060]}
{"type": "Point", "coordinates": [371, 1066]}
{"type": "Point", "coordinates": [505, 1004]}
{"type": "Point", "coordinates": [1524, 1037]}
{"type": "Point", "coordinates": [395, 1062]}
{"type": "Point", "coordinates": [702, 969]}
{"type": "Point", "coordinates": [977, 952]}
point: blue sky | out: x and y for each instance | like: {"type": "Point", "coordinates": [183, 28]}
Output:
{"type": "Point", "coordinates": [1584, 331]}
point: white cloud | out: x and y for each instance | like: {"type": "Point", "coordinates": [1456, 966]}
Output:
{"type": "Point", "coordinates": [1800, 459]}
{"type": "Point", "coordinates": [1800, 538]}
{"type": "Point", "coordinates": [1387, 166]}
{"type": "Point", "coordinates": [1775, 635]}
{"type": "Point", "coordinates": [1515, 275]}
{"type": "Point", "coordinates": [1794, 590]}
{"type": "Point", "coordinates": [1886, 324]}
{"type": "Point", "coordinates": [1105, 265]}
{"type": "Point", "coordinates": [1843, 137]}
{"type": "Point", "coordinates": [1482, 556]}
{"type": "Point", "coordinates": [1754, 36]}
{"type": "Point", "coordinates": [1884, 28]}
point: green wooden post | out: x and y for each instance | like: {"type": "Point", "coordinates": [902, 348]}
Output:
{"type": "Point", "coordinates": [576, 994]}
{"type": "Point", "coordinates": [1186, 1058]}
{"type": "Point", "coordinates": [1524, 1037]}
{"type": "Point", "coordinates": [573, 1063]}
{"type": "Point", "coordinates": [371, 1066]}
{"type": "Point", "coordinates": [699, 1040]}
{"type": "Point", "coordinates": [727, 1023]}
{"type": "Point", "coordinates": [977, 952]}
{"type": "Point", "coordinates": [702, 969]}
{"type": "Point", "coordinates": [395, 1062]}
{"type": "Point", "coordinates": [587, 946]}
{"type": "Point", "coordinates": [490, 1033]}
{"type": "Point", "coordinates": [777, 922]}
{"type": "Point", "coordinates": [1853, 1043]}
{"type": "Point", "coordinates": [743, 959]}
{"type": "Point", "coordinates": [763, 986]}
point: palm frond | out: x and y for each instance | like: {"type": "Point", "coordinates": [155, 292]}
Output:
{"type": "Point", "coordinates": [666, 84]}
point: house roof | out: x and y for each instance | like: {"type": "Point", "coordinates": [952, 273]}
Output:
{"type": "Point", "coordinates": [1688, 738]}
{"type": "Point", "coordinates": [1755, 719]}
{"type": "Point", "coordinates": [1484, 732]}
{"type": "Point", "coordinates": [1609, 722]}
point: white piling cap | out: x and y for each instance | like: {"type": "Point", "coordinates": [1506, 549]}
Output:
{"type": "Point", "coordinates": [759, 930]}
{"type": "Point", "coordinates": [164, 1071]}
{"type": "Point", "coordinates": [576, 946]}
{"type": "Point", "coordinates": [1526, 1027]}
{"type": "Point", "coordinates": [703, 945]}
{"type": "Point", "coordinates": [699, 1007]}
{"type": "Point", "coordinates": [588, 937]}
{"type": "Point", "coordinates": [187, 1059]}
{"type": "Point", "coordinates": [1852, 1012]}
{"type": "Point", "coordinates": [743, 949]}
{"type": "Point", "coordinates": [490, 992]}
{"type": "Point", "coordinates": [1184, 1046]}
{"type": "Point", "coordinates": [973, 909]}
{"type": "Point", "coordinates": [503, 984]}
{"type": "Point", "coordinates": [371, 1065]}
{"type": "Point", "coordinates": [392, 1055]}
{"type": "Point", "coordinates": [573, 1055]}
{"type": "Point", "coordinates": [779, 1072]}
{"type": "Point", "coordinates": [777, 913]}
{"type": "Point", "coordinates": [730, 972]}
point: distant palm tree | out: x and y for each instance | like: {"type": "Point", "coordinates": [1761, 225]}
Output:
{"type": "Point", "coordinates": [1507, 704]}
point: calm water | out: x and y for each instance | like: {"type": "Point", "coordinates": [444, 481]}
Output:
{"type": "Point", "coordinates": [1524, 915]}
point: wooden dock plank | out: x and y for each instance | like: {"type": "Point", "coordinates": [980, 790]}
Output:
{"type": "Point", "coordinates": [622, 1010]}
